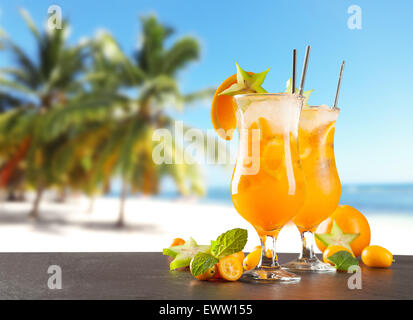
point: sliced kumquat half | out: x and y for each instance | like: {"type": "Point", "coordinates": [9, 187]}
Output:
{"type": "Point", "coordinates": [239, 255]}
{"type": "Point", "coordinates": [230, 268]}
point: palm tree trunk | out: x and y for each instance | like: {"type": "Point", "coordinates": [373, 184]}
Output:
{"type": "Point", "coordinates": [62, 195]}
{"type": "Point", "coordinates": [21, 195]}
{"type": "Point", "coordinates": [121, 217]}
{"type": "Point", "coordinates": [35, 210]}
{"type": "Point", "coordinates": [6, 172]}
{"type": "Point", "coordinates": [91, 204]}
{"type": "Point", "coordinates": [11, 196]}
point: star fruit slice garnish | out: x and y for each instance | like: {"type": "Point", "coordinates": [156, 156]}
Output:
{"type": "Point", "coordinates": [337, 237]}
{"type": "Point", "coordinates": [306, 94]}
{"type": "Point", "coordinates": [246, 83]}
{"type": "Point", "coordinates": [183, 254]}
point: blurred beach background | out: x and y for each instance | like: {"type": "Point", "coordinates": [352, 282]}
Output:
{"type": "Point", "coordinates": [79, 105]}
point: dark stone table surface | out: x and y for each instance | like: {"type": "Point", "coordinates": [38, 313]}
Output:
{"type": "Point", "coordinates": [145, 275]}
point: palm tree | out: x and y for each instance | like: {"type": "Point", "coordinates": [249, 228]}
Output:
{"type": "Point", "coordinates": [68, 117]}
{"type": "Point", "coordinates": [7, 102]}
{"type": "Point", "coordinates": [152, 71]}
{"type": "Point", "coordinates": [41, 85]}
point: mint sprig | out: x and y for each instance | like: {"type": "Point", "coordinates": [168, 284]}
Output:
{"type": "Point", "coordinates": [343, 260]}
{"type": "Point", "coordinates": [202, 262]}
{"type": "Point", "coordinates": [229, 242]}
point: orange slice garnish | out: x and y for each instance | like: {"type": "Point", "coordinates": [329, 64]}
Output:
{"type": "Point", "coordinates": [272, 156]}
{"type": "Point", "coordinates": [223, 110]}
{"type": "Point", "coordinates": [266, 132]}
{"type": "Point", "coordinates": [328, 136]}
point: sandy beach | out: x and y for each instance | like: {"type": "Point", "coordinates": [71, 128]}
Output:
{"type": "Point", "coordinates": [152, 224]}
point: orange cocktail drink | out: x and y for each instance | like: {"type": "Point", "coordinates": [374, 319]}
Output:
{"type": "Point", "coordinates": [267, 185]}
{"type": "Point", "coordinates": [323, 187]}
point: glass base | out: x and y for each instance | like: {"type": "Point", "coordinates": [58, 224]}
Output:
{"type": "Point", "coordinates": [308, 265]}
{"type": "Point", "coordinates": [270, 275]}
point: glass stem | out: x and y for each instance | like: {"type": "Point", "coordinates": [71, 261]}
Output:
{"type": "Point", "coordinates": [268, 245]}
{"type": "Point", "coordinates": [307, 238]}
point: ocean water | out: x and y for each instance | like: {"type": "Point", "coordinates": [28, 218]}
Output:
{"type": "Point", "coordinates": [367, 197]}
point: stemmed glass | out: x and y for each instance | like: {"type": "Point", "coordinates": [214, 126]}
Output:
{"type": "Point", "coordinates": [267, 185]}
{"type": "Point", "coordinates": [323, 187]}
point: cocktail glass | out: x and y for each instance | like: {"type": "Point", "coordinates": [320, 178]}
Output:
{"type": "Point", "coordinates": [267, 185]}
{"type": "Point", "coordinates": [323, 187]}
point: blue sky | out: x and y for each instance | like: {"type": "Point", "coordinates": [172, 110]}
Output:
{"type": "Point", "coordinates": [374, 131]}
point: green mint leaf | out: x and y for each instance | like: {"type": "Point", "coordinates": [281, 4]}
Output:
{"type": "Point", "coordinates": [202, 262]}
{"type": "Point", "coordinates": [343, 260]}
{"type": "Point", "coordinates": [229, 242]}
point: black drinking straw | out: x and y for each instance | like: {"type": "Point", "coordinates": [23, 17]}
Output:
{"type": "Point", "coordinates": [307, 53]}
{"type": "Point", "coordinates": [339, 83]}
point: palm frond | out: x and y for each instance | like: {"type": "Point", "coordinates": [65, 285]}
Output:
{"type": "Point", "coordinates": [107, 156]}
{"type": "Point", "coordinates": [187, 175]}
{"type": "Point", "coordinates": [16, 124]}
{"type": "Point", "coordinates": [79, 113]}
{"type": "Point", "coordinates": [182, 52]}
{"type": "Point", "coordinates": [8, 101]}
{"type": "Point", "coordinates": [19, 75]}
{"type": "Point", "coordinates": [108, 58]}
{"type": "Point", "coordinates": [29, 21]}
{"type": "Point", "coordinates": [71, 62]}
{"type": "Point", "coordinates": [78, 151]}
{"type": "Point", "coordinates": [17, 87]}
{"type": "Point", "coordinates": [158, 87]}
{"type": "Point", "coordinates": [216, 149]}
{"type": "Point", "coordinates": [32, 76]}
{"type": "Point", "coordinates": [149, 57]}
{"type": "Point", "coordinates": [133, 141]}
{"type": "Point", "coordinates": [198, 95]}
